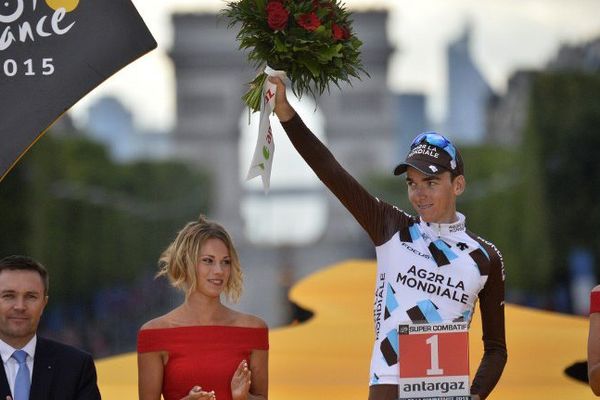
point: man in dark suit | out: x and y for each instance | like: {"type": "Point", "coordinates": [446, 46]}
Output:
{"type": "Point", "coordinates": [34, 368]}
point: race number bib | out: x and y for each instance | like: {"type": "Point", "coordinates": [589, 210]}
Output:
{"type": "Point", "coordinates": [434, 361]}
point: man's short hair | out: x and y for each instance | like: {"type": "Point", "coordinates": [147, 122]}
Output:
{"type": "Point", "coordinates": [25, 263]}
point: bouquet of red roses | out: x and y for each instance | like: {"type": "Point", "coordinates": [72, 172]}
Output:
{"type": "Point", "coordinates": [311, 40]}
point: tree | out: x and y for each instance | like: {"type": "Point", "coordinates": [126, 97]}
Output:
{"type": "Point", "coordinates": [92, 222]}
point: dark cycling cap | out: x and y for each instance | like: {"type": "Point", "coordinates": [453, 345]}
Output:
{"type": "Point", "coordinates": [432, 153]}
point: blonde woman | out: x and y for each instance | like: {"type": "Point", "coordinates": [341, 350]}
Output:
{"type": "Point", "coordinates": [203, 349]}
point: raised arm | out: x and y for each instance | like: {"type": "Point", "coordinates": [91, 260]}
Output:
{"type": "Point", "coordinates": [491, 305]}
{"type": "Point", "coordinates": [378, 219]}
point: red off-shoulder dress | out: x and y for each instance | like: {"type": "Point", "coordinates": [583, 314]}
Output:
{"type": "Point", "coordinates": [205, 356]}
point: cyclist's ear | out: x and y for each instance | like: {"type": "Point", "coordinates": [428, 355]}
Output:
{"type": "Point", "coordinates": [459, 183]}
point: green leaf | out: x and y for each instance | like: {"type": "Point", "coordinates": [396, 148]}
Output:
{"type": "Point", "coordinates": [323, 12]}
{"type": "Point", "coordinates": [312, 66]}
{"type": "Point", "coordinates": [320, 30]}
{"type": "Point", "coordinates": [279, 44]}
{"type": "Point", "coordinates": [300, 48]}
{"type": "Point", "coordinates": [266, 153]}
{"type": "Point", "coordinates": [330, 52]}
{"type": "Point", "coordinates": [356, 43]}
{"type": "Point", "coordinates": [261, 5]}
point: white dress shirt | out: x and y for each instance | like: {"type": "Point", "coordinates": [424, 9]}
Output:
{"type": "Point", "coordinates": [11, 366]}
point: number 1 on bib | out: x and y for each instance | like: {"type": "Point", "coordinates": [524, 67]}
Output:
{"type": "Point", "coordinates": [433, 361]}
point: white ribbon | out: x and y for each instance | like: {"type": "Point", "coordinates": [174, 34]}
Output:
{"type": "Point", "coordinates": [265, 145]}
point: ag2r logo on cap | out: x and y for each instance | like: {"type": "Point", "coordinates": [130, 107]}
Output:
{"type": "Point", "coordinates": [424, 149]}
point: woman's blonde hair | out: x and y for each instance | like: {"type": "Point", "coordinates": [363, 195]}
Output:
{"type": "Point", "coordinates": [178, 262]}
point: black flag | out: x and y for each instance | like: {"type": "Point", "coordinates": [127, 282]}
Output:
{"type": "Point", "coordinates": [52, 53]}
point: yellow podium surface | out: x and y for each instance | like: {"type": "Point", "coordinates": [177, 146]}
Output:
{"type": "Point", "coordinates": [328, 356]}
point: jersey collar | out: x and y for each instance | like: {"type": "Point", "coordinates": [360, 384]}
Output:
{"type": "Point", "coordinates": [445, 229]}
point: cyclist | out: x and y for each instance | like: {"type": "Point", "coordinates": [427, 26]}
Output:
{"type": "Point", "coordinates": [430, 268]}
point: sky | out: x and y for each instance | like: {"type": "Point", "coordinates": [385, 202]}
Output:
{"type": "Point", "coordinates": [507, 35]}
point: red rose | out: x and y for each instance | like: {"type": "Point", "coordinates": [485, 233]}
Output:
{"type": "Point", "coordinates": [309, 21]}
{"type": "Point", "coordinates": [339, 33]}
{"type": "Point", "coordinates": [277, 15]}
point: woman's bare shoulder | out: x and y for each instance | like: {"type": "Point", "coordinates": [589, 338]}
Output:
{"type": "Point", "coordinates": [164, 321]}
{"type": "Point", "coordinates": [248, 320]}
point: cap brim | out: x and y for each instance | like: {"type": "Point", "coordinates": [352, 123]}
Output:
{"type": "Point", "coordinates": [421, 166]}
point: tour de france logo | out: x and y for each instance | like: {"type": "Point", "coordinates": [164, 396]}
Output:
{"type": "Point", "coordinates": [11, 10]}
{"type": "Point", "coordinates": [68, 5]}
{"type": "Point", "coordinates": [31, 22]}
